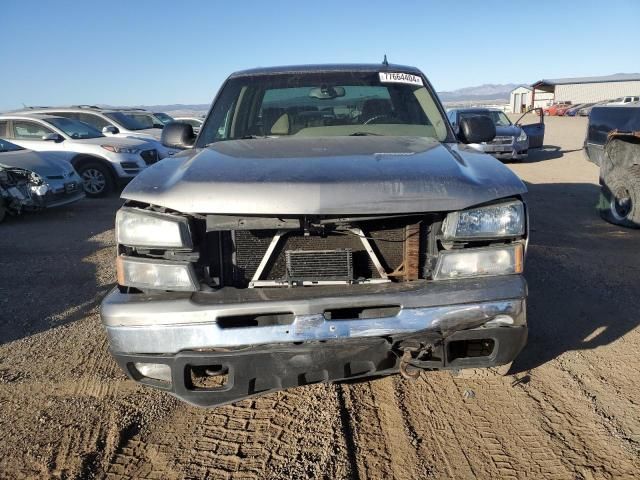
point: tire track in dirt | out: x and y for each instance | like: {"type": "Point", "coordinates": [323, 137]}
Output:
{"type": "Point", "coordinates": [384, 446]}
{"type": "Point", "coordinates": [297, 434]}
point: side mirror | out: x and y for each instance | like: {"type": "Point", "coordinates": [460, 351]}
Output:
{"type": "Point", "coordinates": [178, 135]}
{"type": "Point", "coordinates": [476, 129]}
{"type": "Point", "coordinates": [110, 129]}
{"type": "Point", "coordinates": [53, 137]}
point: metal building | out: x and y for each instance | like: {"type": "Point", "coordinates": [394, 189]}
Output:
{"type": "Point", "coordinates": [521, 99]}
{"type": "Point", "coordinates": [588, 89]}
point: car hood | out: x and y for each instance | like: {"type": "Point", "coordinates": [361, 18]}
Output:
{"type": "Point", "coordinates": [117, 141]}
{"type": "Point", "coordinates": [330, 175]}
{"type": "Point", "coordinates": [43, 163]}
{"type": "Point", "coordinates": [510, 131]}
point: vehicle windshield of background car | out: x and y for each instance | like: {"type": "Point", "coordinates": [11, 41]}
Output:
{"type": "Point", "coordinates": [147, 120]}
{"type": "Point", "coordinates": [74, 128]}
{"type": "Point", "coordinates": [499, 118]}
{"type": "Point", "coordinates": [8, 146]}
{"type": "Point", "coordinates": [127, 121]}
{"type": "Point", "coordinates": [163, 117]}
{"type": "Point", "coordinates": [323, 104]}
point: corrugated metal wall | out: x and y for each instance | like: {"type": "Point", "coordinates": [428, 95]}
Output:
{"type": "Point", "coordinates": [595, 92]}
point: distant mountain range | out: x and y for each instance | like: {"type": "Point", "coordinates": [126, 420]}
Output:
{"type": "Point", "coordinates": [489, 91]}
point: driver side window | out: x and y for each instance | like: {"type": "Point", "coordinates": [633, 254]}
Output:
{"type": "Point", "coordinates": [24, 130]}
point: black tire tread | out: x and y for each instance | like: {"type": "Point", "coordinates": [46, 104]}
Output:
{"type": "Point", "coordinates": [630, 178]}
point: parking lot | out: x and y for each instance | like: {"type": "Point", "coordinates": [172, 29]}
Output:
{"type": "Point", "coordinates": [570, 409]}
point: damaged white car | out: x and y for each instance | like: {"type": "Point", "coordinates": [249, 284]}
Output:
{"type": "Point", "coordinates": [31, 181]}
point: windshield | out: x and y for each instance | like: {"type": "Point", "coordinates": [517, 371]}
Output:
{"type": "Point", "coordinates": [74, 128]}
{"type": "Point", "coordinates": [499, 118]}
{"type": "Point", "coordinates": [324, 104]}
{"type": "Point", "coordinates": [163, 117]}
{"type": "Point", "coordinates": [129, 121]}
{"type": "Point", "coordinates": [8, 146]}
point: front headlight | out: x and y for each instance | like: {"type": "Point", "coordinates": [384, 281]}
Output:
{"type": "Point", "coordinates": [479, 262]}
{"type": "Point", "coordinates": [493, 221]}
{"type": "Point", "coordinates": [147, 273]}
{"type": "Point", "coordinates": [120, 149]}
{"type": "Point", "coordinates": [142, 228]}
{"type": "Point", "coordinates": [522, 137]}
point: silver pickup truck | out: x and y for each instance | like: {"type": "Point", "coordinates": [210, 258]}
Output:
{"type": "Point", "coordinates": [326, 224]}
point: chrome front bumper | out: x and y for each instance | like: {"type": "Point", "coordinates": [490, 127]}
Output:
{"type": "Point", "coordinates": [168, 324]}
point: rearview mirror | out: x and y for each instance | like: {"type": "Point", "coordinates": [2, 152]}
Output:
{"type": "Point", "coordinates": [476, 129]}
{"type": "Point", "coordinates": [110, 129]}
{"type": "Point", "coordinates": [52, 137]}
{"type": "Point", "coordinates": [178, 135]}
{"type": "Point", "coordinates": [327, 92]}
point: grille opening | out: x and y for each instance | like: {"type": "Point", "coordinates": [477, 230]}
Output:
{"type": "Point", "coordinates": [362, 312]}
{"type": "Point", "coordinates": [207, 377]}
{"type": "Point", "coordinates": [470, 348]}
{"type": "Point", "coordinates": [257, 320]}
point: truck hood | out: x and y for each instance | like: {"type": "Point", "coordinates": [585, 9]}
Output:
{"type": "Point", "coordinates": [43, 163]}
{"type": "Point", "coordinates": [325, 175]}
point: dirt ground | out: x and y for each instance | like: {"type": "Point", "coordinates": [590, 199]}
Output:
{"type": "Point", "coordinates": [570, 409]}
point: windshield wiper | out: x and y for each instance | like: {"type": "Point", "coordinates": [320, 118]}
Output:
{"type": "Point", "coordinates": [365, 134]}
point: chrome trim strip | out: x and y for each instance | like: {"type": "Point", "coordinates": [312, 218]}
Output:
{"type": "Point", "coordinates": [190, 336]}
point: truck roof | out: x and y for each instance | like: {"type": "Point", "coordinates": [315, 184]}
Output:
{"type": "Point", "coordinates": [330, 67]}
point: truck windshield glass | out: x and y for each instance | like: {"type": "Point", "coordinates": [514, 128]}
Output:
{"type": "Point", "coordinates": [499, 118]}
{"type": "Point", "coordinates": [8, 146]}
{"type": "Point", "coordinates": [322, 104]}
{"type": "Point", "coordinates": [74, 128]}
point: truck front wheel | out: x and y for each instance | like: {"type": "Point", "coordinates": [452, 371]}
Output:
{"type": "Point", "coordinates": [620, 197]}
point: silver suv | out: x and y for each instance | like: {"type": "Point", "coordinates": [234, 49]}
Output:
{"type": "Point", "coordinates": [123, 122]}
{"type": "Point", "coordinates": [102, 162]}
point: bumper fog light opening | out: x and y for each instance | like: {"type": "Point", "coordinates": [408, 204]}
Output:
{"type": "Point", "coordinates": [154, 371]}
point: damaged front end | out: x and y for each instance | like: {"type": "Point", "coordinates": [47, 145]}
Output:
{"type": "Point", "coordinates": [262, 303]}
{"type": "Point", "coordinates": [20, 190]}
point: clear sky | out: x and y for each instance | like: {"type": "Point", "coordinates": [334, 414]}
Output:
{"type": "Point", "coordinates": [180, 51]}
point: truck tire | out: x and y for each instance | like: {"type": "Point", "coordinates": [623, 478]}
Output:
{"type": "Point", "coordinates": [97, 179]}
{"type": "Point", "coordinates": [620, 197]}
{"type": "Point", "coordinates": [3, 210]}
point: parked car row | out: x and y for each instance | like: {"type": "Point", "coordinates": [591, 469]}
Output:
{"type": "Point", "coordinates": [583, 109]}
{"type": "Point", "coordinates": [51, 156]}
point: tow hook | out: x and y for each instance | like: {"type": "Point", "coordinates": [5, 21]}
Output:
{"type": "Point", "coordinates": [412, 351]}
{"type": "Point", "coordinates": [406, 369]}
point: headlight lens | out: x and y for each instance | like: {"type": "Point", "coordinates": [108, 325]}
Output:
{"type": "Point", "coordinates": [156, 274]}
{"type": "Point", "coordinates": [120, 149]}
{"type": "Point", "coordinates": [479, 262]}
{"type": "Point", "coordinates": [522, 137]}
{"type": "Point", "coordinates": [494, 221]}
{"type": "Point", "coordinates": [141, 228]}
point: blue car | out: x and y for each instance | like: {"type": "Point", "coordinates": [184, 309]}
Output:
{"type": "Point", "coordinates": [512, 141]}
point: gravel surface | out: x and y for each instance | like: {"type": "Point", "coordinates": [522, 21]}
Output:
{"type": "Point", "coordinates": [569, 409]}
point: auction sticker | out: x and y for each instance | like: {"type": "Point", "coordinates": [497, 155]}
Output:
{"type": "Point", "coordinates": [391, 77]}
